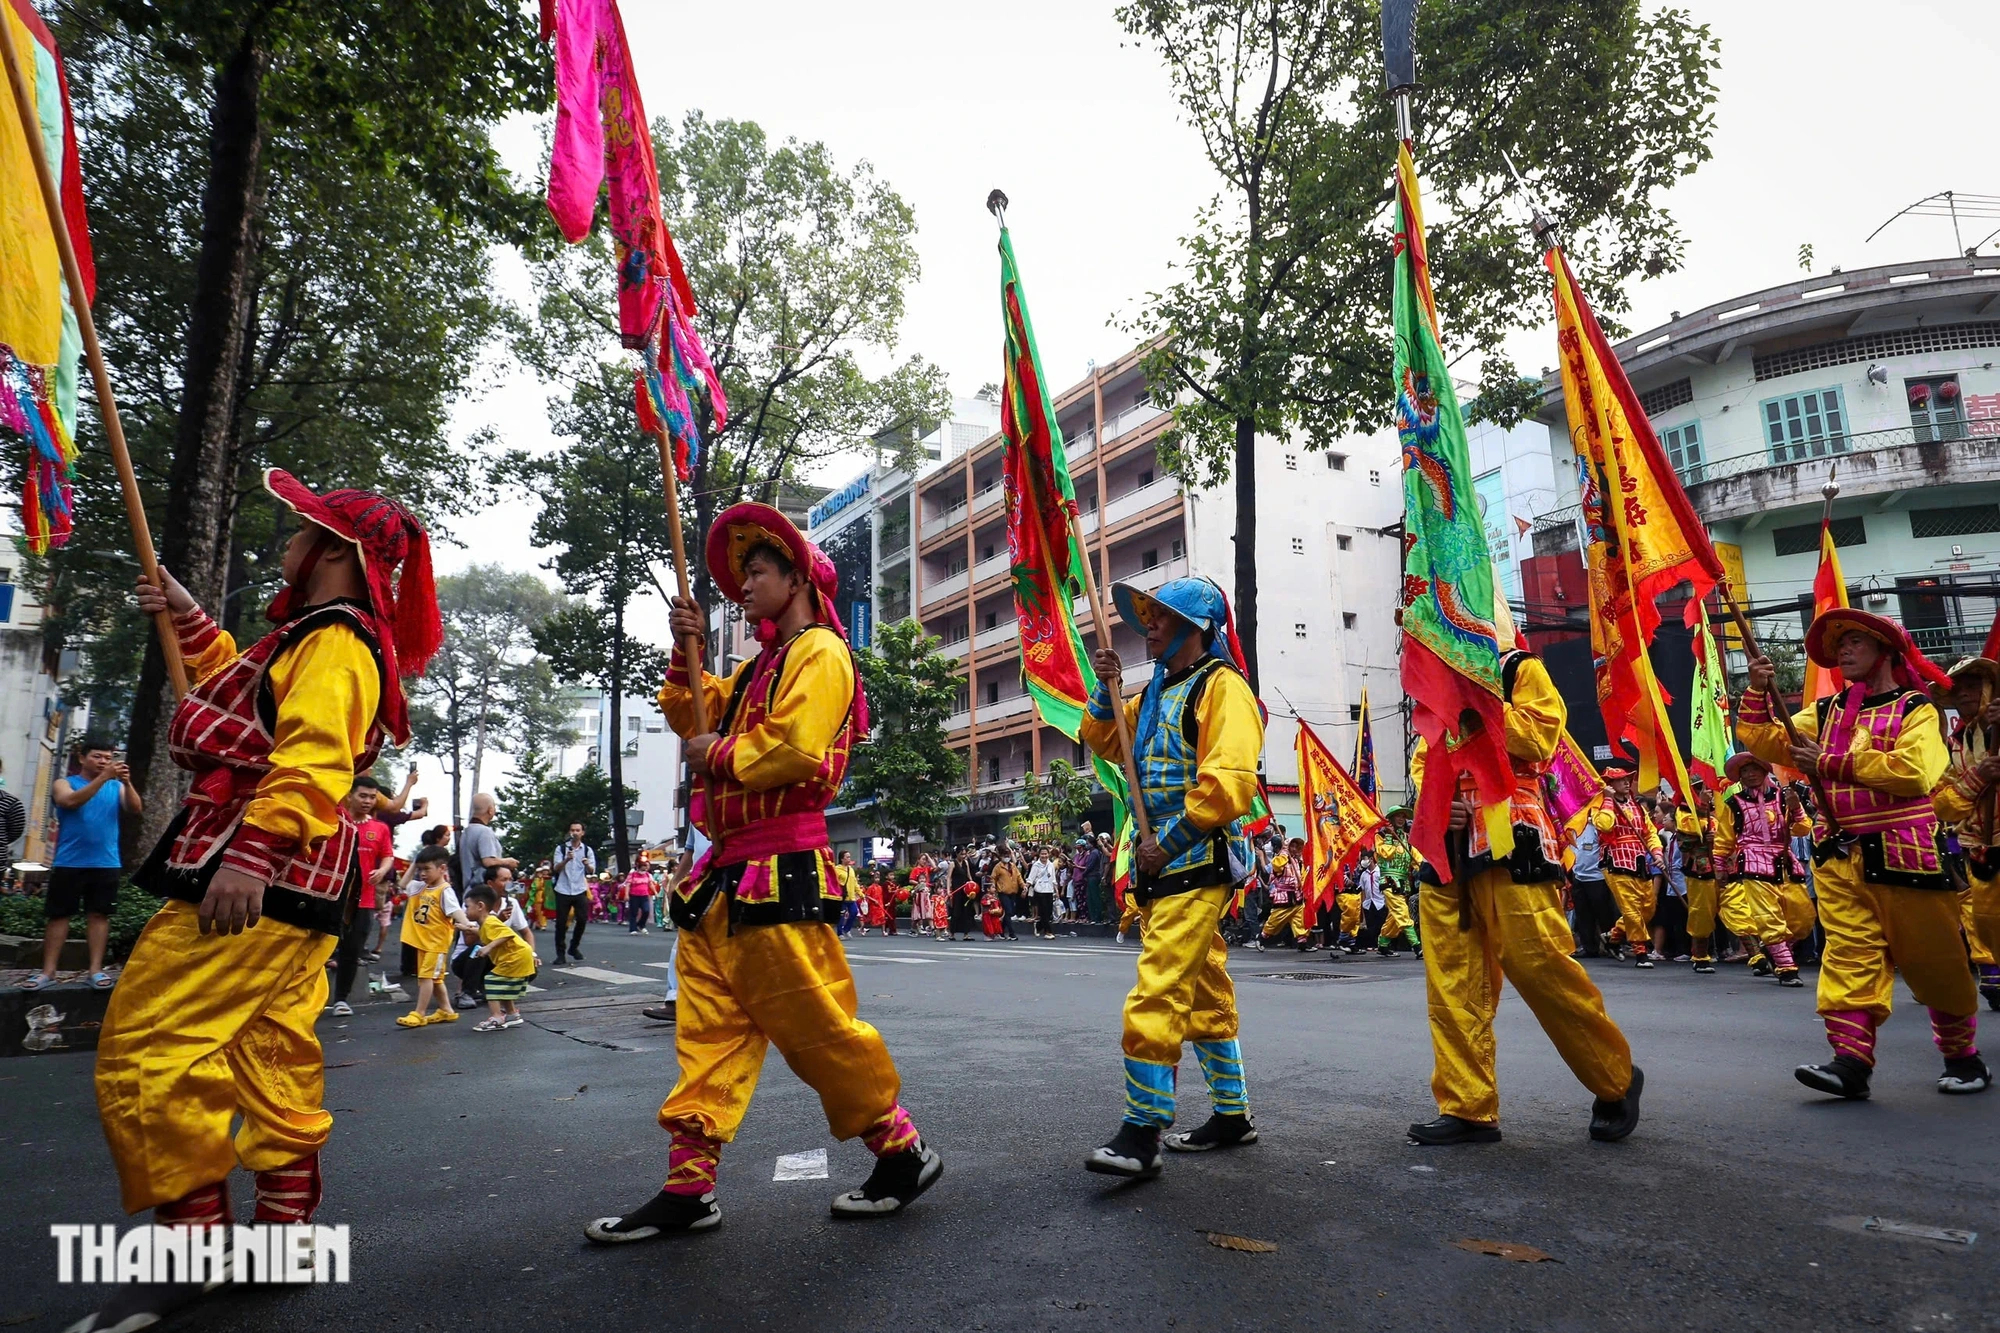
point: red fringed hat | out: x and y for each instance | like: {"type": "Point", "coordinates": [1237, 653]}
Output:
{"type": "Point", "coordinates": [1913, 670]}
{"type": "Point", "coordinates": [408, 628]}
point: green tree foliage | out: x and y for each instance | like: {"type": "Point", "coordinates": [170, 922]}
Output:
{"type": "Point", "coordinates": [291, 205]}
{"type": "Point", "coordinates": [1278, 319]}
{"type": "Point", "coordinates": [1053, 800]}
{"type": "Point", "coordinates": [904, 771]}
{"type": "Point", "coordinates": [598, 504]}
{"type": "Point", "coordinates": [488, 686]}
{"type": "Point", "coordinates": [537, 808]}
{"type": "Point", "coordinates": [801, 267]}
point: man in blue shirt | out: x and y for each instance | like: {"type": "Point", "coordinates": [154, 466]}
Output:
{"type": "Point", "coordinates": [87, 862]}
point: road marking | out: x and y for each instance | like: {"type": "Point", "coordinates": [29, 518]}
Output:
{"type": "Point", "coordinates": [801, 1165]}
{"type": "Point", "coordinates": [609, 977]}
{"type": "Point", "coordinates": [667, 964]}
{"type": "Point", "coordinates": [878, 958]}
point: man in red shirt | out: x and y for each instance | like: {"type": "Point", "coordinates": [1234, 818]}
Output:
{"type": "Point", "coordinates": [374, 861]}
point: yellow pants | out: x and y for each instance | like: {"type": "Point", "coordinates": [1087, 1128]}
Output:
{"type": "Point", "coordinates": [1795, 905]}
{"type": "Point", "coordinates": [201, 1029]}
{"type": "Point", "coordinates": [1635, 895]}
{"type": "Point", "coordinates": [1519, 931]}
{"type": "Point", "coordinates": [1350, 913]}
{"type": "Point", "coordinates": [1183, 992]}
{"type": "Point", "coordinates": [786, 986]}
{"type": "Point", "coordinates": [1280, 917]}
{"type": "Point", "coordinates": [1979, 910]}
{"type": "Point", "coordinates": [1398, 919]}
{"type": "Point", "coordinates": [1874, 931]}
{"type": "Point", "coordinates": [1748, 909]}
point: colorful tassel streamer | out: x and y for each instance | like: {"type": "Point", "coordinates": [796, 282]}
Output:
{"type": "Point", "coordinates": [27, 410]}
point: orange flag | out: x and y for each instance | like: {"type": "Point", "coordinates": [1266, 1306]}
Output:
{"type": "Point", "coordinates": [1829, 591]}
{"type": "Point", "coordinates": [1644, 537]}
{"type": "Point", "coordinates": [1339, 820]}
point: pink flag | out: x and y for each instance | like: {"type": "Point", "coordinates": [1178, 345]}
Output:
{"type": "Point", "coordinates": [1574, 785]}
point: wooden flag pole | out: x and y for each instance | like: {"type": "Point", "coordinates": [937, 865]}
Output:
{"type": "Point", "coordinates": [107, 405]}
{"type": "Point", "coordinates": [691, 653]}
{"type": "Point", "coordinates": [1778, 709]}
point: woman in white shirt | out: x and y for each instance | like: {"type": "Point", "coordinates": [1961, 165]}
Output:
{"type": "Point", "coordinates": [1042, 884]}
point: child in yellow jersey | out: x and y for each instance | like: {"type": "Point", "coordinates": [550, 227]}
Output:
{"type": "Point", "coordinates": [513, 960]}
{"type": "Point", "coordinates": [428, 922]}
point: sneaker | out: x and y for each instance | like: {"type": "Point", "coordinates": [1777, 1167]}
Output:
{"type": "Point", "coordinates": [1221, 1131]}
{"type": "Point", "coordinates": [1642, 960]}
{"type": "Point", "coordinates": [413, 1019]}
{"type": "Point", "coordinates": [893, 1185]}
{"type": "Point", "coordinates": [1612, 1121]}
{"type": "Point", "coordinates": [1704, 965]}
{"type": "Point", "coordinates": [1386, 953]}
{"type": "Point", "coordinates": [443, 1016]}
{"type": "Point", "coordinates": [512, 1021]}
{"type": "Point", "coordinates": [1448, 1131]}
{"type": "Point", "coordinates": [342, 1009]}
{"type": "Point", "coordinates": [1680, 958]}
{"type": "Point", "coordinates": [660, 1215]}
{"type": "Point", "coordinates": [470, 1001]}
{"type": "Point", "coordinates": [1965, 1073]}
{"type": "Point", "coordinates": [1121, 940]}
{"type": "Point", "coordinates": [1789, 976]}
{"type": "Point", "coordinates": [1843, 1076]}
{"type": "Point", "coordinates": [1134, 1153]}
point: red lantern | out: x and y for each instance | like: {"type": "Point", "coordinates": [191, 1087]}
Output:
{"type": "Point", "coordinates": [1948, 391]}
{"type": "Point", "coordinates": [1919, 394]}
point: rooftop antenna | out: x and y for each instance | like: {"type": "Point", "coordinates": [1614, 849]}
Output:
{"type": "Point", "coordinates": [1953, 204]}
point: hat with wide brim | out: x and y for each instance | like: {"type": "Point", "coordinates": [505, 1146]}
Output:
{"type": "Point", "coordinates": [741, 528]}
{"type": "Point", "coordinates": [1829, 626]}
{"type": "Point", "coordinates": [1395, 810]}
{"type": "Point", "coordinates": [1198, 602]}
{"type": "Point", "coordinates": [1975, 667]}
{"type": "Point", "coordinates": [1732, 767]}
{"type": "Point", "coordinates": [1618, 768]}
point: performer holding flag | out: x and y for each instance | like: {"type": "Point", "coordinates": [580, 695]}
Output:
{"type": "Point", "coordinates": [1968, 800]}
{"type": "Point", "coordinates": [1491, 720]}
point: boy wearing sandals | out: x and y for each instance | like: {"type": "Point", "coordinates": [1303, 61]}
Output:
{"type": "Point", "coordinates": [513, 960]}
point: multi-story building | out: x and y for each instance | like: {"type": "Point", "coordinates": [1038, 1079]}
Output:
{"type": "Point", "coordinates": [1882, 378]}
{"type": "Point", "coordinates": [36, 727]}
{"type": "Point", "coordinates": [649, 754]}
{"type": "Point", "coordinates": [1328, 569]}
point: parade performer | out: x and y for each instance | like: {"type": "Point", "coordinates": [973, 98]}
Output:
{"type": "Point", "coordinates": [1694, 826]}
{"type": "Point", "coordinates": [759, 962]}
{"type": "Point", "coordinates": [1196, 733]}
{"type": "Point", "coordinates": [1630, 847]}
{"type": "Point", "coordinates": [1504, 917]}
{"type": "Point", "coordinates": [1287, 899]}
{"type": "Point", "coordinates": [1885, 900]}
{"type": "Point", "coordinates": [1966, 801]}
{"type": "Point", "coordinates": [1398, 862]}
{"type": "Point", "coordinates": [1754, 829]}
{"type": "Point", "coordinates": [213, 1018]}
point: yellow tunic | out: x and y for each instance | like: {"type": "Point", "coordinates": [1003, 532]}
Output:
{"type": "Point", "coordinates": [511, 956]}
{"type": "Point", "coordinates": [318, 732]}
{"type": "Point", "coordinates": [792, 740]}
{"type": "Point", "coordinates": [1229, 737]}
{"type": "Point", "coordinates": [1911, 767]}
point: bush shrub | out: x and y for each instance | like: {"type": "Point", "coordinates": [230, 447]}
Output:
{"type": "Point", "coordinates": [23, 914]}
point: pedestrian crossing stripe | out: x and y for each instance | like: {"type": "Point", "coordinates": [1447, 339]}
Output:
{"type": "Point", "coordinates": [608, 977]}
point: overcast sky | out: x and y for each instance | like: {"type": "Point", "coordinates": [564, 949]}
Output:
{"type": "Point", "coordinates": [1833, 114]}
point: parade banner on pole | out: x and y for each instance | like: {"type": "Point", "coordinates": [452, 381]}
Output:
{"type": "Point", "coordinates": [1047, 560]}
{"type": "Point", "coordinates": [1456, 626]}
{"type": "Point", "coordinates": [1364, 752]}
{"type": "Point", "coordinates": [1643, 537]}
{"type": "Point", "coordinates": [41, 343]}
{"type": "Point", "coordinates": [1829, 591]}
{"type": "Point", "coordinates": [1573, 784]}
{"type": "Point", "coordinates": [1340, 820]}
{"type": "Point", "coordinates": [1709, 744]}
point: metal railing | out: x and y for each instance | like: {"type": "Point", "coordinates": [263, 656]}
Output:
{"type": "Point", "coordinates": [1832, 448]}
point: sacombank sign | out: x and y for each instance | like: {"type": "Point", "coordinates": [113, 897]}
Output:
{"type": "Point", "coordinates": [838, 501]}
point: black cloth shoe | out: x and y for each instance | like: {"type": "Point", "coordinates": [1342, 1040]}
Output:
{"type": "Point", "coordinates": [1992, 994]}
{"type": "Point", "coordinates": [137, 1305]}
{"type": "Point", "coordinates": [1134, 1153]}
{"type": "Point", "coordinates": [1965, 1073]}
{"type": "Point", "coordinates": [1704, 965]}
{"type": "Point", "coordinates": [1221, 1131]}
{"type": "Point", "coordinates": [1448, 1131]}
{"type": "Point", "coordinates": [1612, 1121]}
{"type": "Point", "coordinates": [661, 1013]}
{"type": "Point", "coordinates": [660, 1215]}
{"type": "Point", "coordinates": [1760, 966]}
{"type": "Point", "coordinates": [1789, 976]}
{"type": "Point", "coordinates": [893, 1185]}
{"type": "Point", "coordinates": [1843, 1076]}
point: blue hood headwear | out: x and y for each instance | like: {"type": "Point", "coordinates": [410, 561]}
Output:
{"type": "Point", "coordinates": [1200, 607]}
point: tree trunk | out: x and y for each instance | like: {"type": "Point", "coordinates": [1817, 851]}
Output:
{"type": "Point", "coordinates": [457, 735]}
{"type": "Point", "coordinates": [194, 544]}
{"type": "Point", "coordinates": [620, 848]}
{"type": "Point", "coordinates": [1246, 543]}
{"type": "Point", "coordinates": [479, 734]}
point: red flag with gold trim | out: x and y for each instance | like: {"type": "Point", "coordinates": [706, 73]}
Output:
{"type": "Point", "coordinates": [1339, 820]}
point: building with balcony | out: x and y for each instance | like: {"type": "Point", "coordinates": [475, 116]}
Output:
{"type": "Point", "coordinates": [1883, 378]}
{"type": "Point", "coordinates": [1327, 553]}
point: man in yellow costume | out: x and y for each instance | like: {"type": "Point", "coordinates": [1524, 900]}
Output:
{"type": "Point", "coordinates": [212, 1021]}
{"type": "Point", "coordinates": [1968, 801]}
{"type": "Point", "coordinates": [1754, 828]}
{"type": "Point", "coordinates": [1629, 847]}
{"type": "Point", "coordinates": [1196, 733]}
{"type": "Point", "coordinates": [1503, 917]}
{"type": "Point", "coordinates": [759, 963]}
{"type": "Point", "coordinates": [1885, 900]}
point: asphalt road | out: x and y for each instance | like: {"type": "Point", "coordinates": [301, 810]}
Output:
{"type": "Point", "coordinates": [467, 1164]}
